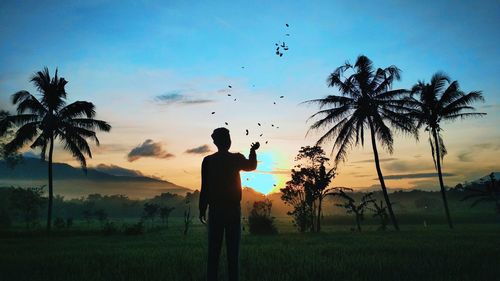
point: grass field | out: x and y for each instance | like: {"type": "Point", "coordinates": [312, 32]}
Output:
{"type": "Point", "coordinates": [470, 252]}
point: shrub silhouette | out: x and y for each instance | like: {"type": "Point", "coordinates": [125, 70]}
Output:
{"type": "Point", "coordinates": [59, 223]}
{"type": "Point", "coordinates": [134, 229]}
{"type": "Point", "coordinates": [109, 228]}
{"type": "Point", "coordinates": [260, 220]}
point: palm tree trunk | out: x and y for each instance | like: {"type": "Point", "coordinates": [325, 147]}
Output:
{"type": "Point", "coordinates": [51, 195]}
{"type": "Point", "coordinates": [381, 177]}
{"type": "Point", "coordinates": [440, 175]}
{"type": "Point", "coordinates": [318, 219]}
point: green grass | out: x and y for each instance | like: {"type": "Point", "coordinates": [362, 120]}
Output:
{"type": "Point", "coordinates": [470, 252]}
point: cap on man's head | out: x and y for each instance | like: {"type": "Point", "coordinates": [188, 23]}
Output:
{"type": "Point", "coordinates": [220, 134]}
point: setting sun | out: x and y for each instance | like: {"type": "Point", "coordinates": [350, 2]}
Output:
{"type": "Point", "coordinates": [267, 178]}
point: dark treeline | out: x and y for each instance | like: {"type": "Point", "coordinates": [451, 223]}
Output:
{"type": "Point", "coordinates": [25, 206]}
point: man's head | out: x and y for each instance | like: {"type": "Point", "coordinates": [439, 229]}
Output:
{"type": "Point", "coordinates": [222, 139]}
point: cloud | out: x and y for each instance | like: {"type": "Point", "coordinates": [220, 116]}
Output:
{"type": "Point", "coordinates": [409, 166]}
{"type": "Point", "coordinates": [199, 150]}
{"type": "Point", "coordinates": [371, 160]}
{"type": "Point", "coordinates": [464, 157]}
{"type": "Point", "coordinates": [148, 149]}
{"type": "Point", "coordinates": [177, 97]}
{"type": "Point", "coordinates": [117, 170]}
{"type": "Point", "coordinates": [467, 155]}
{"type": "Point", "coordinates": [415, 176]}
{"type": "Point", "coordinates": [276, 172]}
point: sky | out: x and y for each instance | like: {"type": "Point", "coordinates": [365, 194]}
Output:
{"type": "Point", "coordinates": [156, 70]}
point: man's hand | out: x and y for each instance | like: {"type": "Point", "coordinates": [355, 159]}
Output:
{"type": "Point", "coordinates": [255, 146]}
{"type": "Point", "coordinates": [203, 218]}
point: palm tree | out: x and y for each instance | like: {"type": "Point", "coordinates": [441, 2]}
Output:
{"type": "Point", "coordinates": [50, 118]}
{"type": "Point", "coordinates": [441, 100]}
{"type": "Point", "coordinates": [366, 101]}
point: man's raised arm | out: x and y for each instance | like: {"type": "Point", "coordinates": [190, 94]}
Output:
{"type": "Point", "coordinates": [251, 163]}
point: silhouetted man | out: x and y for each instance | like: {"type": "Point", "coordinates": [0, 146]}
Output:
{"type": "Point", "coordinates": [221, 191]}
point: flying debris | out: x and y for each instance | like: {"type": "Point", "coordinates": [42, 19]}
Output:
{"type": "Point", "coordinates": [287, 25]}
{"type": "Point", "coordinates": [242, 67]}
{"type": "Point", "coordinates": [282, 97]}
{"type": "Point", "coordinates": [288, 34]}
{"type": "Point", "coordinates": [230, 86]}
{"type": "Point", "coordinates": [274, 102]}
{"type": "Point", "coordinates": [274, 185]}
{"type": "Point", "coordinates": [266, 142]}
{"type": "Point", "coordinates": [246, 132]}
{"type": "Point", "coordinates": [272, 125]}
{"type": "Point", "coordinates": [234, 99]}
{"type": "Point", "coordinates": [213, 112]}
{"type": "Point", "coordinates": [258, 124]}
{"type": "Point", "coordinates": [260, 135]}
{"type": "Point", "coordinates": [226, 123]}
{"type": "Point", "coordinates": [228, 95]}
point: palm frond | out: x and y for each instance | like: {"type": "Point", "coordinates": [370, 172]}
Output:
{"type": "Point", "coordinates": [78, 109]}
{"type": "Point", "coordinates": [393, 94]}
{"type": "Point", "coordinates": [41, 141]}
{"type": "Point", "coordinates": [68, 129]}
{"type": "Point", "coordinates": [383, 133]}
{"type": "Point", "coordinates": [331, 100]}
{"type": "Point", "coordinates": [390, 74]}
{"type": "Point", "coordinates": [451, 93]}
{"type": "Point", "coordinates": [22, 119]}
{"type": "Point", "coordinates": [27, 102]}
{"type": "Point", "coordinates": [463, 116]}
{"type": "Point", "coordinates": [79, 141]}
{"type": "Point", "coordinates": [439, 81]}
{"type": "Point", "coordinates": [464, 100]}
{"type": "Point", "coordinates": [91, 124]}
{"type": "Point", "coordinates": [331, 133]}
{"type": "Point", "coordinates": [75, 150]}
{"type": "Point", "coordinates": [484, 199]}
{"type": "Point", "coordinates": [345, 139]}
{"type": "Point", "coordinates": [41, 80]}
{"type": "Point", "coordinates": [23, 135]}
{"type": "Point", "coordinates": [332, 116]}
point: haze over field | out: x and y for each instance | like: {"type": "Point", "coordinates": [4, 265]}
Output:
{"type": "Point", "coordinates": [157, 71]}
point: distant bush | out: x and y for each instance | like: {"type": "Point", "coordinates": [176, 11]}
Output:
{"type": "Point", "coordinates": [59, 223]}
{"type": "Point", "coordinates": [260, 220]}
{"type": "Point", "coordinates": [134, 229]}
{"type": "Point", "coordinates": [109, 228]}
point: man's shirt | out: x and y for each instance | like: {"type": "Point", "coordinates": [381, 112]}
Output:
{"type": "Point", "coordinates": [220, 178]}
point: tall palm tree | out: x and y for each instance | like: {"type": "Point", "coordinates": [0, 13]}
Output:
{"type": "Point", "coordinates": [441, 100]}
{"type": "Point", "coordinates": [50, 118]}
{"type": "Point", "coordinates": [366, 101]}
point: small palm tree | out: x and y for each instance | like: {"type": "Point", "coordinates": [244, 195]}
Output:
{"type": "Point", "coordinates": [441, 100]}
{"type": "Point", "coordinates": [485, 192]}
{"type": "Point", "coordinates": [366, 101]}
{"type": "Point", "coordinates": [50, 118]}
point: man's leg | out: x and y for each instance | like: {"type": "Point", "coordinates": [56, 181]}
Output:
{"type": "Point", "coordinates": [233, 236]}
{"type": "Point", "coordinates": [215, 234]}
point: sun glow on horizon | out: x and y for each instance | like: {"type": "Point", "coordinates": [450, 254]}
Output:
{"type": "Point", "coordinates": [266, 179]}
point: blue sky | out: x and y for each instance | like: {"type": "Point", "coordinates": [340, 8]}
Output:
{"type": "Point", "coordinates": [122, 55]}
